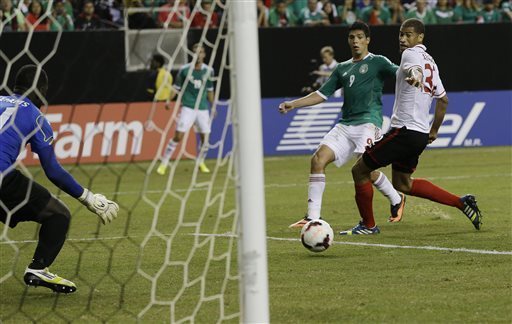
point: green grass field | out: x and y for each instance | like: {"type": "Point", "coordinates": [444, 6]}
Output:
{"type": "Point", "coordinates": [151, 262]}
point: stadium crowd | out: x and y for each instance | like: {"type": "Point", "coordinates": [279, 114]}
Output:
{"type": "Point", "coordinates": [43, 15]}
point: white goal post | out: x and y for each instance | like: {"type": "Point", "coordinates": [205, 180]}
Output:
{"type": "Point", "coordinates": [245, 80]}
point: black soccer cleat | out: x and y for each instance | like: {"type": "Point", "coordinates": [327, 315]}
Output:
{"type": "Point", "coordinates": [470, 209]}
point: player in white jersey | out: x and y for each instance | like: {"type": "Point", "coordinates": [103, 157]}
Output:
{"type": "Point", "coordinates": [417, 83]}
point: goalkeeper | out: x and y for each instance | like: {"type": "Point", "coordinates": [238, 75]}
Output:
{"type": "Point", "coordinates": [21, 198]}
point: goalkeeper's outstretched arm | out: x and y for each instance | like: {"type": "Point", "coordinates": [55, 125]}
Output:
{"type": "Point", "coordinates": [97, 203]}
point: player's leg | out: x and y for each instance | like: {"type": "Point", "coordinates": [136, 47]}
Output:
{"type": "Point", "coordinates": [396, 199]}
{"type": "Point", "coordinates": [33, 202]}
{"type": "Point", "coordinates": [54, 219]}
{"type": "Point", "coordinates": [185, 121]}
{"type": "Point", "coordinates": [379, 155]}
{"type": "Point", "coordinates": [335, 147]}
{"type": "Point", "coordinates": [361, 173]}
{"type": "Point", "coordinates": [367, 135]}
{"type": "Point", "coordinates": [203, 125]}
{"type": "Point", "coordinates": [323, 156]}
{"type": "Point", "coordinates": [423, 188]}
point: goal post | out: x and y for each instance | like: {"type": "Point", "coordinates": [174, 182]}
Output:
{"type": "Point", "coordinates": [171, 254]}
{"type": "Point", "coordinates": [245, 78]}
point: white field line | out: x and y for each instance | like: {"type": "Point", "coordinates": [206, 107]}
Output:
{"type": "Point", "coordinates": [230, 235]}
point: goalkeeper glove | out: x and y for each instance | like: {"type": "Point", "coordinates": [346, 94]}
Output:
{"type": "Point", "coordinates": [100, 205]}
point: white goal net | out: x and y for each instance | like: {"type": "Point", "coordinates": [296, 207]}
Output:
{"type": "Point", "coordinates": [175, 252]}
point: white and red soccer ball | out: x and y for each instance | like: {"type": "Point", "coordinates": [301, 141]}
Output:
{"type": "Point", "coordinates": [317, 235]}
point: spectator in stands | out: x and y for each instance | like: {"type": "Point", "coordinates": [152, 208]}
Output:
{"type": "Point", "coordinates": [348, 12]}
{"type": "Point", "coordinates": [140, 20]}
{"type": "Point", "coordinates": [506, 10]}
{"type": "Point", "coordinates": [200, 17]}
{"type": "Point", "coordinates": [397, 11]}
{"type": "Point", "coordinates": [422, 13]}
{"type": "Point", "coordinates": [324, 71]}
{"type": "Point", "coordinates": [69, 7]}
{"type": "Point", "coordinates": [24, 7]}
{"type": "Point", "coordinates": [377, 14]}
{"type": "Point", "coordinates": [296, 6]}
{"type": "Point", "coordinates": [313, 16]}
{"type": "Point", "coordinates": [489, 13]}
{"type": "Point", "coordinates": [62, 20]}
{"type": "Point", "coordinates": [173, 17]}
{"type": "Point", "coordinates": [102, 10]}
{"type": "Point", "coordinates": [444, 12]}
{"type": "Point", "coordinates": [468, 12]}
{"type": "Point", "coordinates": [115, 8]}
{"type": "Point", "coordinates": [35, 12]}
{"type": "Point", "coordinates": [263, 13]}
{"type": "Point", "coordinates": [12, 18]}
{"type": "Point", "coordinates": [363, 4]}
{"type": "Point", "coordinates": [281, 15]}
{"type": "Point", "coordinates": [331, 12]}
{"type": "Point", "coordinates": [88, 20]}
{"type": "Point", "coordinates": [408, 4]}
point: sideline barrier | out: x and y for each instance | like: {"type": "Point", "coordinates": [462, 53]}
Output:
{"type": "Point", "coordinates": [117, 132]}
{"type": "Point", "coordinates": [92, 133]}
{"type": "Point", "coordinates": [472, 119]}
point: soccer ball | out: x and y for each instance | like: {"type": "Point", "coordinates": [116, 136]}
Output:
{"type": "Point", "coordinates": [316, 235]}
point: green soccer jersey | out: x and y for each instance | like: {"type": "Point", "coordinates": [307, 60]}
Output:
{"type": "Point", "coordinates": [362, 83]}
{"type": "Point", "coordinates": [193, 87]}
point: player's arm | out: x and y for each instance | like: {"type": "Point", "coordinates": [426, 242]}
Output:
{"type": "Point", "coordinates": [441, 105]}
{"type": "Point", "coordinates": [388, 68]}
{"type": "Point", "coordinates": [97, 203]}
{"type": "Point", "coordinates": [415, 77]}
{"type": "Point", "coordinates": [310, 100]}
{"type": "Point", "coordinates": [314, 98]}
{"type": "Point", "coordinates": [41, 143]}
{"type": "Point", "coordinates": [412, 67]}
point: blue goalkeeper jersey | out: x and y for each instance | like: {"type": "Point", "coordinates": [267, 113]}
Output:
{"type": "Point", "coordinates": [21, 122]}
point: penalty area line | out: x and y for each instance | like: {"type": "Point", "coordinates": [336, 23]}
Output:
{"type": "Point", "coordinates": [231, 235]}
{"type": "Point", "coordinates": [386, 246]}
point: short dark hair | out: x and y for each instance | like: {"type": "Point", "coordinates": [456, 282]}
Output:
{"type": "Point", "coordinates": [417, 24]}
{"type": "Point", "coordinates": [159, 59]}
{"type": "Point", "coordinates": [359, 25]}
{"type": "Point", "coordinates": [25, 79]}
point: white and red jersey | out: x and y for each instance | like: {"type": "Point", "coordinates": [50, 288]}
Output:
{"type": "Point", "coordinates": [412, 105]}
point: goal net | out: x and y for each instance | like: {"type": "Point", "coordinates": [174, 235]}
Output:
{"type": "Point", "coordinates": [176, 252]}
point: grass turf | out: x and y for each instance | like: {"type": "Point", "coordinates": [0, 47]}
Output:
{"type": "Point", "coordinates": [151, 263]}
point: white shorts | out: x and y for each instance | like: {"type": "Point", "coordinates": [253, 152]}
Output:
{"type": "Point", "coordinates": [346, 141]}
{"type": "Point", "coordinates": [189, 116]}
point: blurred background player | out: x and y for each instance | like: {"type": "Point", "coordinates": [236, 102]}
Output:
{"type": "Point", "coordinates": [22, 199]}
{"type": "Point", "coordinates": [159, 80]}
{"type": "Point", "coordinates": [417, 83]}
{"type": "Point", "coordinates": [362, 79]}
{"type": "Point", "coordinates": [197, 91]}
